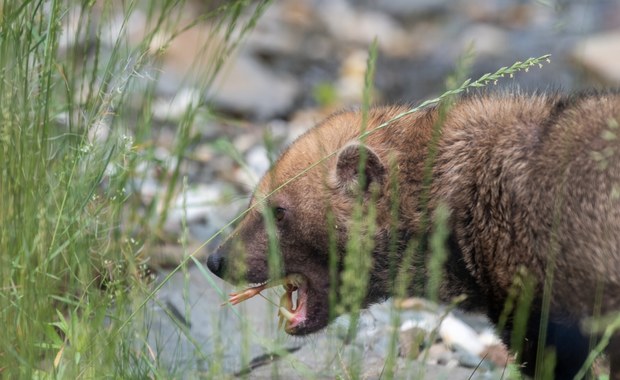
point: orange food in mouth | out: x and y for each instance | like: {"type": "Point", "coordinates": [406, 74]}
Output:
{"type": "Point", "coordinates": [289, 314]}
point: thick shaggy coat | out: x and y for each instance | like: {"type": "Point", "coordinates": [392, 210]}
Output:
{"type": "Point", "coordinates": [531, 183]}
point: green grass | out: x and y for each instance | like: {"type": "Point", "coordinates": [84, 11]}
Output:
{"type": "Point", "coordinates": [73, 229]}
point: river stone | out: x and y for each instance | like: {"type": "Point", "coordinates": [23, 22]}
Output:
{"type": "Point", "coordinates": [248, 87]}
{"type": "Point", "coordinates": [599, 54]}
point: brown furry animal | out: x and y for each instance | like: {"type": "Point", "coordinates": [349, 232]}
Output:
{"type": "Point", "coordinates": [530, 182]}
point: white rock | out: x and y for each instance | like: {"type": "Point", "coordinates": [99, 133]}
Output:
{"type": "Point", "coordinates": [258, 160]}
{"type": "Point", "coordinates": [453, 331]}
{"type": "Point", "coordinates": [347, 23]}
{"type": "Point", "coordinates": [601, 54]}
{"type": "Point", "coordinates": [486, 39]}
{"type": "Point", "coordinates": [350, 85]}
{"type": "Point", "coordinates": [175, 108]}
{"type": "Point", "coordinates": [426, 321]}
{"type": "Point", "coordinates": [149, 189]}
{"type": "Point", "coordinates": [488, 337]}
{"type": "Point", "coordinates": [438, 354]}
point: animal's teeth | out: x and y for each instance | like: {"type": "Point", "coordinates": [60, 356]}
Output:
{"type": "Point", "coordinates": [286, 301]}
{"type": "Point", "coordinates": [295, 280]}
{"type": "Point", "coordinates": [286, 314]}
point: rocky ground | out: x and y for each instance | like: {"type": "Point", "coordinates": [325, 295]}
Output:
{"type": "Point", "coordinates": [303, 60]}
{"type": "Point", "coordinates": [433, 343]}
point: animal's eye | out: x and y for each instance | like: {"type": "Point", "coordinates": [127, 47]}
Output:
{"type": "Point", "coordinates": [278, 213]}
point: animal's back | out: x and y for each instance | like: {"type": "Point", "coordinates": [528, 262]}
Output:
{"type": "Point", "coordinates": [534, 181]}
{"type": "Point", "coordinates": [588, 201]}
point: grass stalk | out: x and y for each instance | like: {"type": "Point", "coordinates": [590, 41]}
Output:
{"type": "Point", "coordinates": [70, 265]}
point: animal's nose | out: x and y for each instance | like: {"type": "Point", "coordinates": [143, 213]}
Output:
{"type": "Point", "coordinates": [216, 264]}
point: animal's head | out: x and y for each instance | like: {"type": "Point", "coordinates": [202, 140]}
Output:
{"type": "Point", "coordinates": [302, 212]}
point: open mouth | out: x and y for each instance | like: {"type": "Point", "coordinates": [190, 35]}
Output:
{"type": "Point", "coordinates": [292, 310]}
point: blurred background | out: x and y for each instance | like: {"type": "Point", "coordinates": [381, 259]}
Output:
{"type": "Point", "coordinates": [314, 52]}
{"type": "Point", "coordinates": [133, 132]}
{"type": "Point", "coordinates": [305, 59]}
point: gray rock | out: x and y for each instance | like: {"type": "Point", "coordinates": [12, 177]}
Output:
{"type": "Point", "coordinates": [468, 360]}
{"type": "Point", "coordinates": [191, 333]}
{"type": "Point", "coordinates": [361, 26]}
{"type": "Point", "coordinates": [208, 336]}
{"type": "Point", "coordinates": [248, 87]}
{"type": "Point", "coordinates": [281, 29]}
{"type": "Point", "coordinates": [408, 8]}
{"type": "Point", "coordinates": [411, 341]}
{"type": "Point", "coordinates": [438, 353]}
{"type": "Point", "coordinates": [258, 160]}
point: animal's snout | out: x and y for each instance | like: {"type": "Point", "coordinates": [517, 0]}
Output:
{"type": "Point", "coordinates": [217, 264]}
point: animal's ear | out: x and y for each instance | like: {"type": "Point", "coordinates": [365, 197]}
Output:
{"type": "Point", "coordinates": [348, 167]}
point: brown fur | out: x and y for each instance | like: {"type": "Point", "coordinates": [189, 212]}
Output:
{"type": "Point", "coordinates": [530, 182]}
